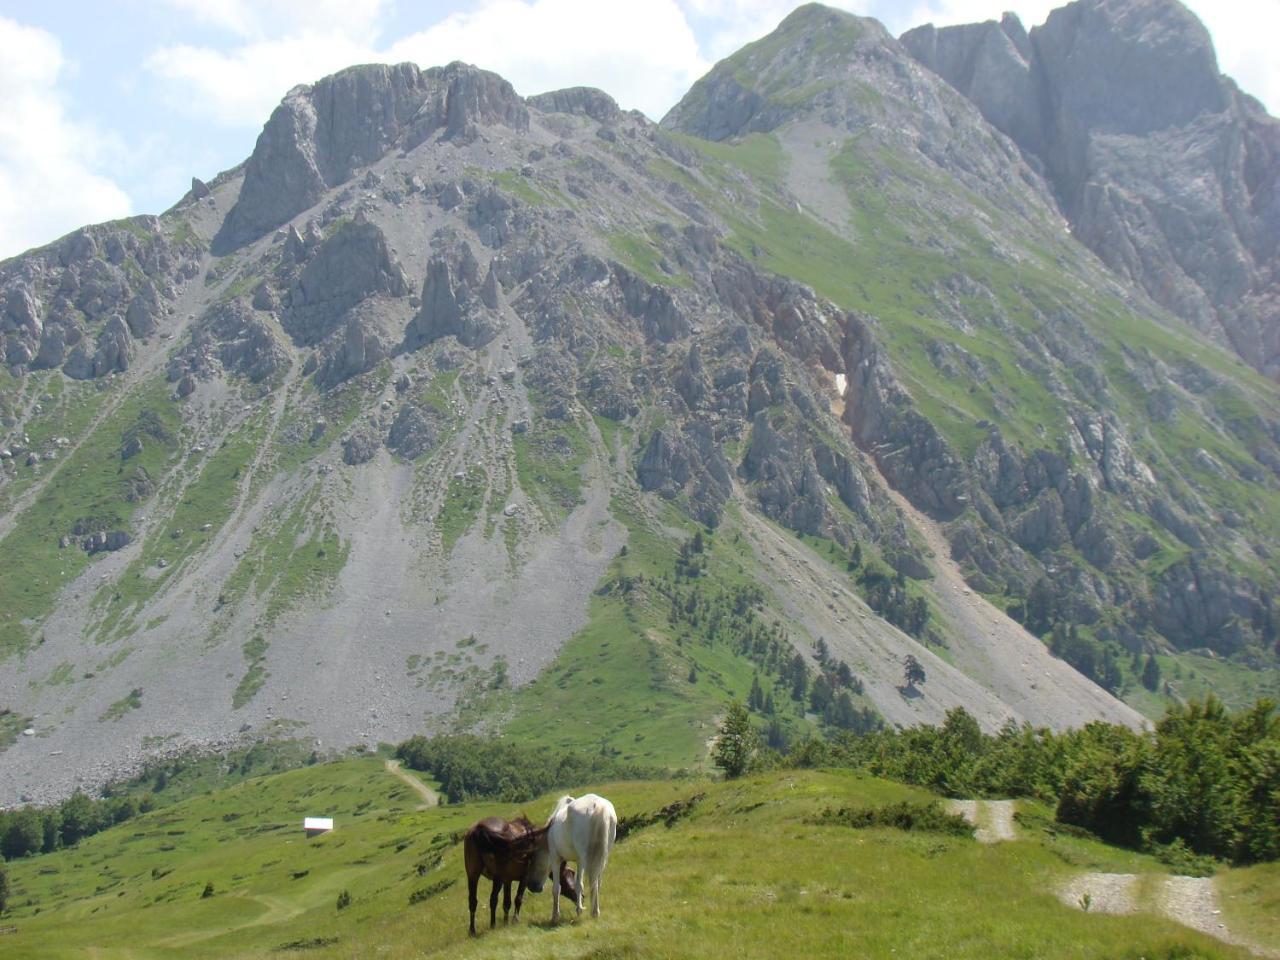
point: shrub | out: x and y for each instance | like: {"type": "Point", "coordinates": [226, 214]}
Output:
{"type": "Point", "coordinates": [929, 817]}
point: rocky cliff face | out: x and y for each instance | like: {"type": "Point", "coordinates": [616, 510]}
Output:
{"type": "Point", "coordinates": [1163, 167]}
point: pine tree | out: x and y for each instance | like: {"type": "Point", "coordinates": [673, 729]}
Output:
{"type": "Point", "coordinates": [912, 672]}
{"type": "Point", "coordinates": [737, 742]}
{"type": "Point", "coordinates": [693, 673]}
{"type": "Point", "coordinates": [845, 676]}
{"type": "Point", "coordinates": [755, 699]}
{"type": "Point", "coordinates": [1041, 607]}
{"type": "Point", "coordinates": [774, 736]}
{"type": "Point", "coordinates": [1151, 673]}
{"type": "Point", "coordinates": [769, 707]}
{"type": "Point", "coordinates": [820, 651]}
{"type": "Point", "coordinates": [820, 694]}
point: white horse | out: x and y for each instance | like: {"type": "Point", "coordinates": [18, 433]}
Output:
{"type": "Point", "coordinates": [583, 831]}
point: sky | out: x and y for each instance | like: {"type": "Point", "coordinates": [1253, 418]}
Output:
{"type": "Point", "coordinates": [109, 107]}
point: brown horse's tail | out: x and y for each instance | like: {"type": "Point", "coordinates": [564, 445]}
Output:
{"type": "Point", "coordinates": [485, 840]}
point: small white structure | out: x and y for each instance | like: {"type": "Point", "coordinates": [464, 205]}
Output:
{"type": "Point", "coordinates": [314, 826]}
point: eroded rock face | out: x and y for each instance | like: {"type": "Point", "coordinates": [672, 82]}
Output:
{"type": "Point", "coordinates": [690, 464]}
{"type": "Point", "coordinates": [907, 447]}
{"type": "Point", "coordinates": [1163, 167]}
{"type": "Point", "coordinates": [321, 134]}
{"type": "Point", "coordinates": [584, 101]}
{"type": "Point", "coordinates": [360, 446]}
{"type": "Point", "coordinates": [352, 265]}
{"type": "Point", "coordinates": [358, 348]}
{"type": "Point", "coordinates": [454, 300]}
{"type": "Point", "coordinates": [60, 304]}
{"type": "Point", "coordinates": [233, 338]}
{"type": "Point", "coordinates": [111, 353]}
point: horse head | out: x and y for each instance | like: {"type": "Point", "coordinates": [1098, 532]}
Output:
{"type": "Point", "coordinates": [539, 868]}
{"type": "Point", "coordinates": [568, 882]}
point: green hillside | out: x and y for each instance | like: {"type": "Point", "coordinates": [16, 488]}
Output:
{"type": "Point", "coordinates": [748, 866]}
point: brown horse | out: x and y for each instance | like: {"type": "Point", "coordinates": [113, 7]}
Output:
{"type": "Point", "coordinates": [504, 851]}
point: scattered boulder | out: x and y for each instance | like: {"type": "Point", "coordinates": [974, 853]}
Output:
{"type": "Point", "coordinates": [360, 446]}
{"type": "Point", "coordinates": [414, 431]}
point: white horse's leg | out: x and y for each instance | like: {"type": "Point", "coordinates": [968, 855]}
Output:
{"type": "Point", "coordinates": [595, 894]}
{"type": "Point", "coordinates": [582, 878]}
{"type": "Point", "coordinates": [556, 866]}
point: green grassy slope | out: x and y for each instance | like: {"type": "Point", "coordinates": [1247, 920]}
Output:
{"type": "Point", "coordinates": [637, 683]}
{"type": "Point", "coordinates": [745, 869]}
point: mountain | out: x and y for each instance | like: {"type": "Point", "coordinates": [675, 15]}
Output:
{"type": "Point", "coordinates": [1162, 166]}
{"type": "Point", "coordinates": [450, 408]}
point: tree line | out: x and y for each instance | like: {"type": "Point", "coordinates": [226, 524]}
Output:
{"type": "Point", "coordinates": [1203, 780]}
{"type": "Point", "coordinates": [471, 767]}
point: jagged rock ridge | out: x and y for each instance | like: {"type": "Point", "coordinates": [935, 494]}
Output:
{"type": "Point", "coordinates": [1164, 168]}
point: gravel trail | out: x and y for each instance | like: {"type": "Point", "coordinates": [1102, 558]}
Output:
{"type": "Point", "coordinates": [1190, 901]}
{"type": "Point", "coordinates": [1102, 893]}
{"type": "Point", "coordinates": [430, 797]}
{"type": "Point", "coordinates": [992, 818]}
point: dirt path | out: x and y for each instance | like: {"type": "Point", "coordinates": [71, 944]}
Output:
{"type": "Point", "coordinates": [992, 818]}
{"type": "Point", "coordinates": [429, 796]}
{"type": "Point", "coordinates": [1190, 901]}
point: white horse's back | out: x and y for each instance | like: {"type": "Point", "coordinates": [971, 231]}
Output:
{"type": "Point", "coordinates": [583, 830]}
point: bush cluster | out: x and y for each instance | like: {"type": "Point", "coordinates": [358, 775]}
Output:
{"type": "Point", "coordinates": [470, 767]}
{"type": "Point", "coordinates": [1202, 781]}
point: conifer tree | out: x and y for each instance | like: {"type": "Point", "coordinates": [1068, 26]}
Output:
{"type": "Point", "coordinates": [737, 742]}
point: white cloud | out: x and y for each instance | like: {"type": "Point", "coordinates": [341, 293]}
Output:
{"type": "Point", "coordinates": [241, 86]}
{"type": "Point", "coordinates": [645, 56]}
{"type": "Point", "coordinates": [263, 19]}
{"type": "Point", "coordinates": [47, 181]}
{"type": "Point", "coordinates": [1244, 34]}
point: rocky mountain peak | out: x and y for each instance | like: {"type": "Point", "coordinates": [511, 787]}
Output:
{"type": "Point", "coordinates": [799, 67]}
{"type": "Point", "coordinates": [584, 101]}
{"type": "Point", "coordinates": [1121, 105]}
{"type": "Point", "coordinates": [321, 133]}
{"type": "Point", "coordinates": [1129, 66]}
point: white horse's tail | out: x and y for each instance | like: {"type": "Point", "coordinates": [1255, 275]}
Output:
{"type": "Point", "coordinates": [604, 831]}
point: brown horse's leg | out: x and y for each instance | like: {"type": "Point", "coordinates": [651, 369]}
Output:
{"type": "Point", "coordinates": [506, 902]}
{"type": "Point", "coordinates": [493, 904]}
{"type": "Point", "coordinates": [519, 899]}
{"type": "Point", "coordinates": [472, 883]}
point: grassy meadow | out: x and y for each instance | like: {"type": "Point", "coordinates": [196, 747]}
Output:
{"type": "Point", "coordinates": [747, 871]}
